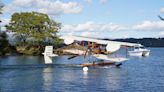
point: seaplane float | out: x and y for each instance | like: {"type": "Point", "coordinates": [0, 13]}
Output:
{"type": "Point", "coordinates": [98, 48]}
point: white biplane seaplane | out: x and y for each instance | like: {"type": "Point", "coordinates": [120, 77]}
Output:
{"type": "Point", "coordinates": [100, 49]}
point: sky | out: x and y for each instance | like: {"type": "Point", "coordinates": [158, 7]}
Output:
{"type": "Point", "coordinates": [96, 18]}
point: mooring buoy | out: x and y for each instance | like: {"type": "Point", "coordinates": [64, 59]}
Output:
{"type": "Point", "coordinates": [85, 69]}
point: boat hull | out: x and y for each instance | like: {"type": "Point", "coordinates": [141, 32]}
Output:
{"type": "Point", "coordinates": [135, 53]}
{"type": "Point", "coordinates": [145, 53]}
{"type": "Point", "coordinates": [139, 52]}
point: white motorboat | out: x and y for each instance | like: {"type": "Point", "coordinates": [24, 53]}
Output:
{"type": "Point", "coordinates": [139, 51]}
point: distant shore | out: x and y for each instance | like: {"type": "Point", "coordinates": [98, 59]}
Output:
{"type": "Point", "coordinates": [147, 42]}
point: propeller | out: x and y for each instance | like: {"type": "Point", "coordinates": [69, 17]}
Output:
{"type": "Point", "coordinates": [112, 47]}
{"type": "Point", "coordinates": [68, 41]}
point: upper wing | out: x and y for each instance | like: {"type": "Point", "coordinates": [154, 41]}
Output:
{"type": "Point", "coordinates": [111, 46]}
{"type": "Point", "coordinates": [71, 39]}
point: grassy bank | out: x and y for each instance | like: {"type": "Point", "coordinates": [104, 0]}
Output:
{"type": "Point", "coordinates": [29, 50]}
{"type": "Point", "coordinates": [21, 50]}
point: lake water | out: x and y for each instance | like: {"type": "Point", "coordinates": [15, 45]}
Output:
{"type": "Point", "coordinates": [29, 74]}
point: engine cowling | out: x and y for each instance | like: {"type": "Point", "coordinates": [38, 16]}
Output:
{"type": "Point", "coordinates": [68, 41]}
{"type": "Point", "coordinates": [112, 47]}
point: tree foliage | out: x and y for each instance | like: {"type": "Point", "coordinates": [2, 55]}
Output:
{"type": "Point", "coordinates": [1, 6]}
{"type": "Point", "coordinates": [3, 39]}
{"type": "Point", "coordinates": [4, 44]}
{"type": "Point", "coordinates": [33, 28]}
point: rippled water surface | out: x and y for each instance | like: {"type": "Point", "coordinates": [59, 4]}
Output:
{"type": "Point", "coordinates": [29, 74]}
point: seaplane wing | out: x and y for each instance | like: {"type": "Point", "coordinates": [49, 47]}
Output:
{"type": "Point", "coordinates": [111, 46]}
{"type": "Point", "coordinates": [70, 39]}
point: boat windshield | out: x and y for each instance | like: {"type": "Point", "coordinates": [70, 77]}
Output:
{"type": "Point", "coordinates": [142, 47]}
{"type": "Point", "coordinates": [139, 47]}
{"type": "Point", "coordinates": [136, 47]}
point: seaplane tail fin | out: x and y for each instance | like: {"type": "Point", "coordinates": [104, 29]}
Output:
{"type": "Point", "coordinates": [48, 50]}
{"type": "Point", "coordinates": [48, 54]}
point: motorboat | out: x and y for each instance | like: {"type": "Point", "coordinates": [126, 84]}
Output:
{"type": "Point", "coordinates": [139, 51]}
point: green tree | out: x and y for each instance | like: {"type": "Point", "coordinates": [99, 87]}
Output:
{"type": "Point", "coordinates": [1, 6]}
{"type": "Point", "coordinates": [5, 47]}
{"type": "Point", "coordinates": [33, 28]}
{"type": "Point", "coordinates": [4, 44]}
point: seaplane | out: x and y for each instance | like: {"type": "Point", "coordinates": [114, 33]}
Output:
{"type": "Point", "coordinates": [98, 48]}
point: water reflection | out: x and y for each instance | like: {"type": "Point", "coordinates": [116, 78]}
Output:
{"type": "Point", "coordinates": [114, 79]}
{"type": "Point", "coordinates": [47, 78]}
{"type": "Point", "coordinates": [85, 74]}
{"type": "Point", "coordinates": [21, 60]}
